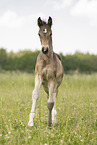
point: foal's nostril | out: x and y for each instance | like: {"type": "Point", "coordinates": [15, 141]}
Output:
{"type": "Point", "coordinates": [44, 50]}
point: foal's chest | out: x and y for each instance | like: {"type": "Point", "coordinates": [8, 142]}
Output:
{"type": "Point", "coordinates": [47, 70]}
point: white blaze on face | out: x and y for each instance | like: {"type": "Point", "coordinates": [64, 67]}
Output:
{"type": "Point", "coordinates": [45, 31]}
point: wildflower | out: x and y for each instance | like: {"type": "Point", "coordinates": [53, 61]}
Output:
{"type": "Point", "coordinates": [7, 126]}
{"type": "Point", "coordinates": [61, 141]}
{"type": "Point", "coordinates": [29, 137]}
{"type": "Point", "coordinates": [9, 132]}
{"type": "Point", "coordinates": [81, 140]}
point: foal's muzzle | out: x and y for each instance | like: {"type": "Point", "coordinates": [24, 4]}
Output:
{"type": "Point", "coordinates": [45, 50]}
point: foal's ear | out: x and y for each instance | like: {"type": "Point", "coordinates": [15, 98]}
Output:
{"type": "Point", "coordinates": [39, 22]}
{"type": "Point", "coordinates": [50, 21]}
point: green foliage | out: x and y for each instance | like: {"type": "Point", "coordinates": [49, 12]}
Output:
{"type": "Point", "coordinates": [76, 111]}
{"type": "Point", "coordinates": [3, 58]}
{"type": "Point", "coordinates": [83, 63]}
{"type": "Point", "coordinates": [25, 61]}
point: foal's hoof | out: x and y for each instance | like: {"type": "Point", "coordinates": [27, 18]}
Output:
{"type": "Point", "coordinates": [49, 125]}
{"type": "Point", "coordinates": [29, 127]}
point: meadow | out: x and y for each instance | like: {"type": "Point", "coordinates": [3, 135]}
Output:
{"type": "Point", "coordinates": [76, 111]}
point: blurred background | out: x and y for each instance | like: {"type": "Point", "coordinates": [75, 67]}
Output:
{"type": "Point", "coordinates": [74, 33]}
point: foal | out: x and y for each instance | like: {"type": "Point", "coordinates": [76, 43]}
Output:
{"type": "Point", "coordinates": [49, 72]}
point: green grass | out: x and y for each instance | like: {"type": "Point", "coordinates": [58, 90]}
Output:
{"type": "Point", "coordinates": [76, 110]}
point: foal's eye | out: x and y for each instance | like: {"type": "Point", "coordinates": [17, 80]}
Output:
{"type": "Point", "coordinates": [50, 34]}
{"type": "Point", "coordinates": [39, 34]}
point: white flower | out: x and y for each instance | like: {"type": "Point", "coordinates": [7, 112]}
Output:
{"type": "Point", "coordinates": [9, 132]}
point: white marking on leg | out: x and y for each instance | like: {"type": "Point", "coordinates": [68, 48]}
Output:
{"type": "Point", "coordinates": [54, 112]}
{"type": "Point", "coordinates": [35, 96]}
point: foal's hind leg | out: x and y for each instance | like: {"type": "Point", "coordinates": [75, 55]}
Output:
{"type": "Point", "coordinates": [35, 96]}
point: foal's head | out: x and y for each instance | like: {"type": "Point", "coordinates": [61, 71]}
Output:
{"type": "Point", "coordinates": [45, 34]}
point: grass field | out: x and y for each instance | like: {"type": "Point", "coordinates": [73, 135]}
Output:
{"type": "Point", "coordinates": [76, 110]}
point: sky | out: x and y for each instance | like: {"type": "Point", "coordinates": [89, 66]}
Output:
{"type": "Point", "coordinates": [74, 25]}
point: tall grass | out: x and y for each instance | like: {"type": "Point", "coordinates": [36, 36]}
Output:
{"type": "Point", "coordinates": [76, 108]}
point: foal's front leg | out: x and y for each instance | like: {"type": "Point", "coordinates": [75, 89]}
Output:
{"type": "Point", "coordinates": [54, 112]}
{"type": "Point", "coordinates": [50, 103]}
{"type": "Point", "coordinates": [35, 96]}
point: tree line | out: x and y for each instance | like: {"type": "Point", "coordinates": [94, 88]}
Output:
{"type": "Point", "coordinates": [25, 61]}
